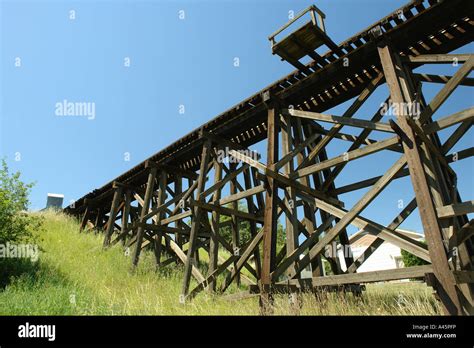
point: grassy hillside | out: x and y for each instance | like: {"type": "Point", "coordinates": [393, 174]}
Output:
{"type": "Point", "coordinates": [74, 276]}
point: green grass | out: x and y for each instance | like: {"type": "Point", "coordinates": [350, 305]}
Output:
{"type": "Point", "coordinates": [74, 276]}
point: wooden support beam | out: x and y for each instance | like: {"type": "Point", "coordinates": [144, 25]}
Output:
{"type": "Point", "coordinates": [366, 93]}
{"type": "Point", "coordinates": [297, 150]}
{"type": "Point", "coordinates": [171, 169]}
{"type": "Point", "coordinates": [234, 225]}
{"type": "Point", "coordinates": [447, 90]}
{"type": "Point", "coordinates": [464, 233]}
{"type": "Point", "coordinates": [380, 126]}
{"type": "Point", "coordinates": [85, 218]}
{"type": "Point", "coordinates": [225, 180]}
{"type": "Point", "coordinates": [360, 140]}
{"type": "Point", "coordinates": [252, 209]}
{"type": "Point", "coordinates": [178, 189]}
{"type": "Point", "coordinates": [399, 92]}
{"type": "Point", "coordinates": [227, 211]}
{"type": "Point", "coordinates": [167, 229]}
{"type": "Point", "coordinates": [455, 209]}
{"type": "Point", "coordinates": [438, 58]}
{"type": "Point", "coordinates": [184, 259]}
{"type": "Point", "coordinates": [112, 216]}
{"type": "Point", "coordinates": [241, 195]}
{"type": "Point", "coordinates": [215, 221]}
{"type": "Point", "coordinates": [429, 144]}
{"type": "Point", "coordinates": [448, 121]}
{"type": "Point", "coordinates": [379, 241]}
{"type": "Point", "coordinates": [145, 205]}
{"type": "Point", "coordinates": [292, 231]}
{"type": "Point", "coordinates": [467, 81]}
{"type": "Point", "coordinates": [457, 156]}
{"type": "Point", "coordinates": [400, 240]}
{"type": "Point", "coordinates": [162, 183]}
{"type": "Point", "coordinates": [270, 215]}
{"type": "Point", "coordinates": [295, 255]}
{"type": "Point", "coordinates": [348, 156]}
{"type": "Point", "coordinates": [463, 277]}
{"type": "Point", "coordinates": [309, 220]}
{"type": "Point", "coordinates": [206, 151]}
{"type": "Point", "coordinates": [212, 276]}
{"type": "Point", "coordinates": [243, 258]}
{"type": "Point", "coordinates": [351, 215]}
{"type": "Point", "coordinates": [126, 211]}
{"type": "Point", "coordinates": [371, 277]}
{"type": "Point", "coordinates": [284, 180]}
{"type": "Point", "coordinates": [228, 144]}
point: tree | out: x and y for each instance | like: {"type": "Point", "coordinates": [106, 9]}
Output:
{"type": "Point", "coordinates": [410, 260]}
{"type": "Point", "coordinates": [17, 226]}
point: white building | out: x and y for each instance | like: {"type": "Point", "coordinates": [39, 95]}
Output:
{"type": "Point", "coordinates": [54, 201]}
{"type": "Point", "coordinates": [387, 255]}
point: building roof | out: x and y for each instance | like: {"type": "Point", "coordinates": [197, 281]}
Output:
{"type": "Point", "coordinates": [363, 239]}
{"type": "Point", "coordinates": [58, 195]}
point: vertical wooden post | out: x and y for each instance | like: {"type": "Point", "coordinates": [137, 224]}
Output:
{"type": "Point", "coordinates": [197, 217]}
{"type": "Point", "coordinates": [146, 203]}
{"type": "Point", "coordinates": [309, 212]}
{"type": "Point", "coordinates": [270, 214]}
{"type": "Point", "coordinates": [214, 243]}
{"type": "Point", "coordinates": [447, 193]}
{"type": "Point", "coordinates": [99, 219]}
{"type": "Point", "coordinates": [234, 221]}
{"type": "Point", "coordinates": [161, 200]}
{"type": "Point", "coordinates": [290, 199]}
{"type": "Point", "coordinates": [400, 93]}
{"type": "Point", "coordinates": [126, 213]}
{"type": "Point", "coordinates": [290, 202]}
{"type": "Point", "coordinates": [178, 189]}
{"type": "Point", "coordinates": [85, 218]}
{"type": "Point", "coordinates": [253, 227]}
{"type": "Point", "coordinates": [256, 182]}
{"type": "Point", "coordinates": [113, 213]}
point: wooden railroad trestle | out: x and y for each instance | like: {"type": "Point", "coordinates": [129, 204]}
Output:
{"type": "Point", "coordinates": [151, 205]}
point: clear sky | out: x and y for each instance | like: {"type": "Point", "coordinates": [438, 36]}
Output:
{"type": "Point", "coordinates": [77, 51]}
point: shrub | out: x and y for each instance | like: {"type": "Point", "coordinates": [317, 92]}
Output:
{"type": "Point", "coordinates": [410, 260]}
{"type": "Point", "coordinates": [17, 226]}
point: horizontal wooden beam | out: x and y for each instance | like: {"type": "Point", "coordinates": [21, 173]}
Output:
{"type": "Point", "coordinates": [448, 121]}
{"type": "Point", "coordinates": [168, 229]}
{"type": "Point", "coordinates": [467, 81]}
{"type": "Point", "coordinates": [454, 157]}
{"type": "Point", "coordinates": [354, 122]}
{"type": "Point", "coordinates": [284, 180]}
{"type": "Point", "coordinates": [447, 90]}
{"type": "Point", "coordinates": [227, 211]}
{"type": "Point", "coordinates": [369, 277]}
{"type": "Point", "coordinates": [222, 142]}
{"type": "Point", "coordinates": [464, 277]}
{"type": "Point", "coordinates": [171, 169]}
{"type": "Point", "coordinates": [438, 58]}
{"type": "Point", "coordinates": [225, 180]}
{"type": "Point", "coordinates": [463, 234]}
{"type": "Point", "coordinates": [348, 156]}
{"type": "Point", "coordinates": [241, 195]}
{"type": "Point", "coordinates": [456, 209]}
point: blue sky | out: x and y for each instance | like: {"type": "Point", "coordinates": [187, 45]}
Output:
{"type": "Point", "coordinates": [173, 62]}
